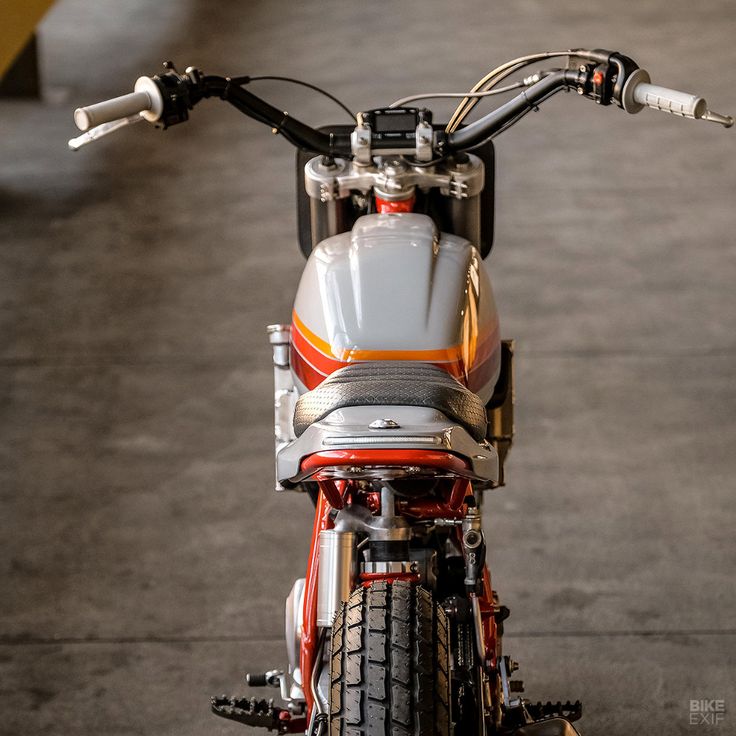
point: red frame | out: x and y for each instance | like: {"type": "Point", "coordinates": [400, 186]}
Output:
{"type": "Point", "coordinates": [435, 459]}
{"type": "Point", "coordinates": [332, 495]}
{"type": "Point", "coordinates": [308, 648]}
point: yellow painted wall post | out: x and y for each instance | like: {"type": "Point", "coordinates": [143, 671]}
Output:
{"type": "Point", "coordinates": [18, 20]}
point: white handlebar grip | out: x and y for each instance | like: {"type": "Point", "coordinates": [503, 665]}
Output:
{"type": "Point", "coordinates": [109, 110]}
{"type": "Point", "coordinates": [670, 100]}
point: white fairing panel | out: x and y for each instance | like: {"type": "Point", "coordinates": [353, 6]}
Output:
{"type": "Point", "coordinates": [396, 289]}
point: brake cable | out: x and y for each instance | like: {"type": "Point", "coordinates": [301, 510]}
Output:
{"type": "Point", "coordinates": [492, 78]}
{"type": "Point", "coordinates": [247, 79]}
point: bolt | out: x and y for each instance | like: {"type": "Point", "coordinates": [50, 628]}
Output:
{"type": "Point", "coordinates": [328, 163]}
{"type": "Point", "coordinates": [472, 538]}
{"type": "Point", "coordinates": [394, 167]}
{"type": "Point", "coordinates": [384, 424]}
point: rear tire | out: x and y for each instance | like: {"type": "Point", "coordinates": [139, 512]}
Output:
{"type": "Point", "coordinates": [389, 667]}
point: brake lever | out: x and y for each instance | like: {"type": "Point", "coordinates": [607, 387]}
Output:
{"type": "Point", "coordinates": [101, 131]}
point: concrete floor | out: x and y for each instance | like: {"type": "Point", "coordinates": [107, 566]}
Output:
{"type": "Point", "coordinates": [144, 557]}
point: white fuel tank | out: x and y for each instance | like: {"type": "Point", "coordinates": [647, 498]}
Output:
{"type": "Point", "coordinates": [394, 288]}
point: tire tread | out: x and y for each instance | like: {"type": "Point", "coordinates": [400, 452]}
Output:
{"type": "Point", "coordinates": [389, 664]}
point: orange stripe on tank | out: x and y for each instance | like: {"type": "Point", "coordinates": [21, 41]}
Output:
{"type": "Point", "coordinates": [316, 340]}
{"type": "Point", "coordinates": [454, 354]}
{"type": "Point", "coordinates": [313, 355]}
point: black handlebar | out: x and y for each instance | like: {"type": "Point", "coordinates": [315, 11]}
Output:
{"type": "Point", "coordinates": [600, 76]}
{"type": "Point", "coordinates": [493, 123]}
{"type": "Point", "coordinates": [606, 77]}
{"type": "Point", "coordinates": [307, 138]}
{"type": "Point", "coordinates": [299, 134]}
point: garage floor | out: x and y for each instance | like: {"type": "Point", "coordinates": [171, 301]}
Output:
{"type": "Point", "coordinates": [145, 558]}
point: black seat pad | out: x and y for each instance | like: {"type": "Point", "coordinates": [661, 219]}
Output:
{"type": "Point", "coordinates": [392, 383]}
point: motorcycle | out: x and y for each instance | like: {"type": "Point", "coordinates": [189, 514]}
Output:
{"type": "Point", "coordinates": [394, 399]}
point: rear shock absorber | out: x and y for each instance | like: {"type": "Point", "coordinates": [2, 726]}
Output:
{"type": "Point", "coordinates": [388, 538]}
{"type": "Point", "coordinates": [388, 546]}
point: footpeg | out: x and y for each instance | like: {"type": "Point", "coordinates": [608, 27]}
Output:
{"type": "Point", "coordinates": [258, 713]}
{"type": "Point", "coordinates": [272, 678]}
{"type": "Point", "coordinates": [569, 711]}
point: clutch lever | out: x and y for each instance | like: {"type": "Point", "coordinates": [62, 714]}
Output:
{"type": "Point", "coordinates": [713, 117]}
{"type": "Point", "coordinates": [100, 131]}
